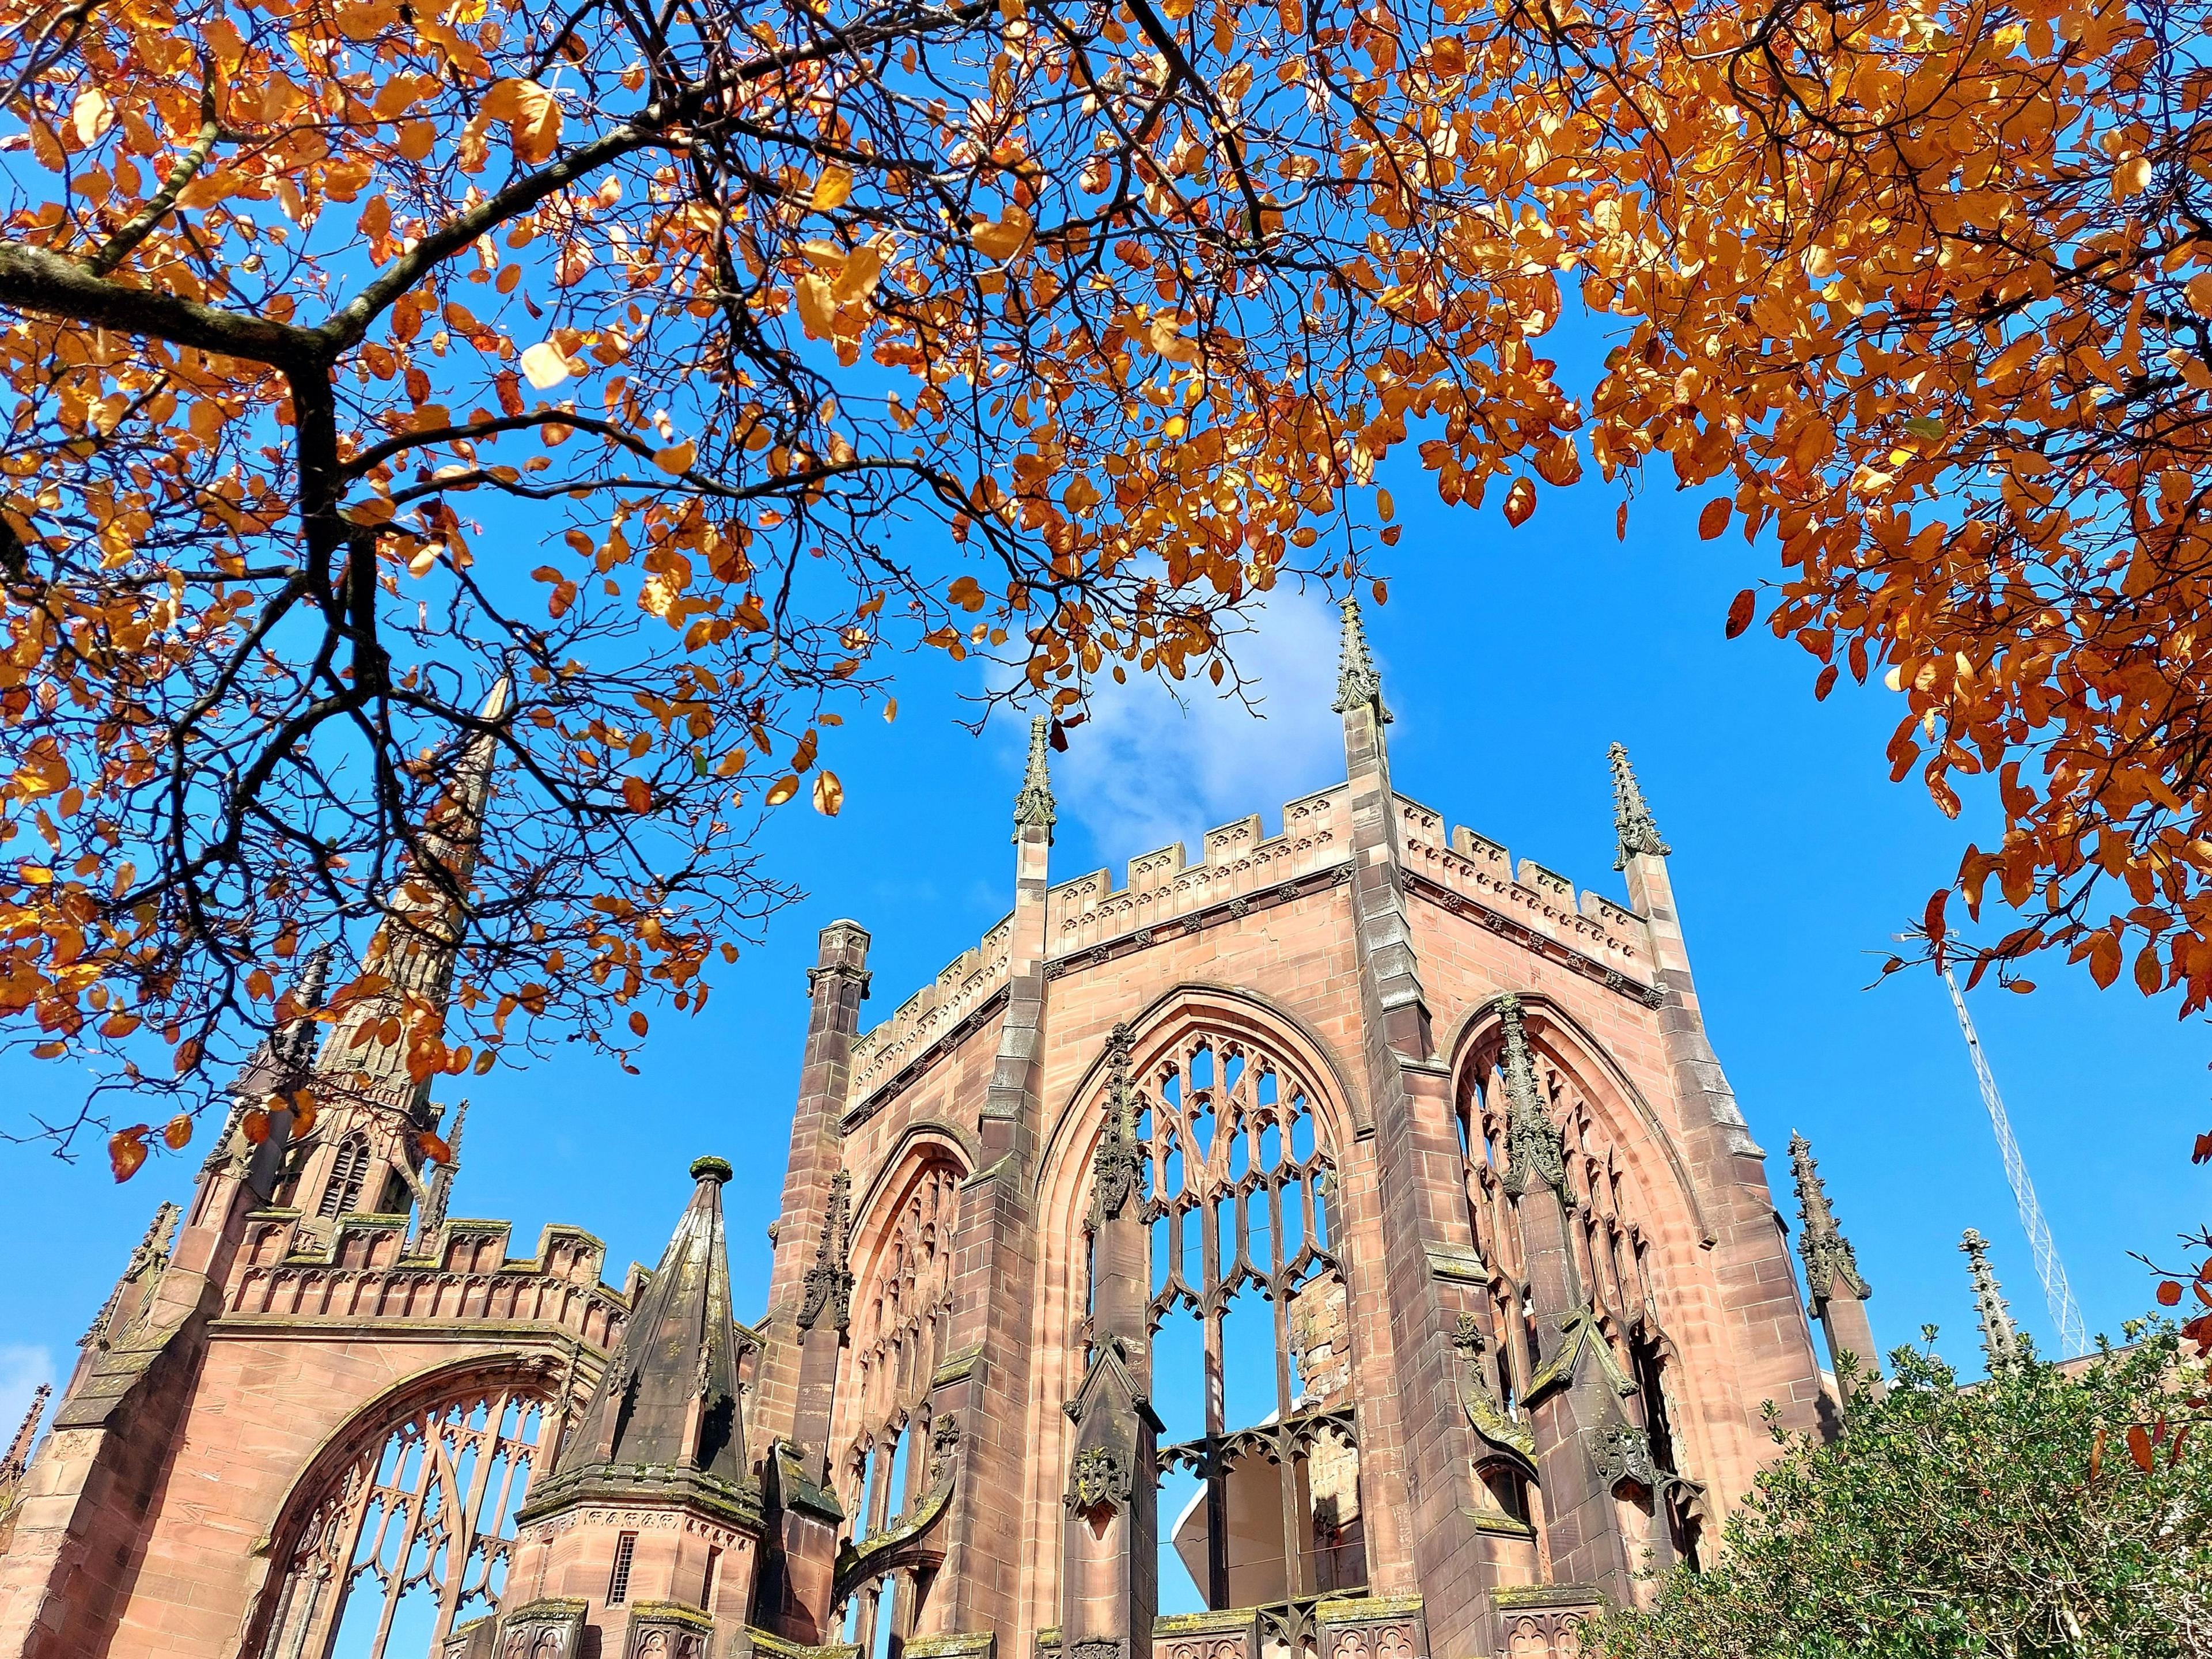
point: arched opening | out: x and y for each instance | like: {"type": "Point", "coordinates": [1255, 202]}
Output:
{"type": "Point", "coordinates": [1250, 1349]}
{"type": "Point", "coordinates": [1612, 1266]}
{"type": "Point", "coordinates": [349, 1174]}
{"type": "Point", "coordinates": [901, 1319]}
{"type": "Point", "coordinates": [407, 1536]}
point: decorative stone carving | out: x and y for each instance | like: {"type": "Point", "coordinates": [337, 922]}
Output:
{"type": "Point", "coordinates": [1101, 1480]}
{"type": "Point", "coordinates": [1357, 680]}
{"type": "Point", "coordinates": [1631, 818]}
{"type": "Point", "coordinates": [1033, 806]}
{"type": "Point", "coordinates": [1535, 1150]}
{"type": "Point", "coordinates": [1116, 1165]}
{"type": "Point", "coordinates": [668, 1630]}
{"type": "Point", "coordinates": [550, 1629]}
{"type": "Point", "coordinates": [1621, 1453]}
{"type": "Point", "coordinates": [1479, 1400]}
{"type": "Point", "coordinates": [829, 1283]}
{"type": "Point", "coordinates": [1095, 1647]}
{"type": "Point", "coordinates": [1829, 1260]}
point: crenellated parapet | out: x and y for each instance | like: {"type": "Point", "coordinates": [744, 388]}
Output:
{"type": "Point", "coordinates": [1474, 876]}
{"type": "Point", "coordinates": [1239, 859]}
{"type": "Point", "coordinates": [960, 990]}
{"type": "Point", "coordinates": [362, 1275]}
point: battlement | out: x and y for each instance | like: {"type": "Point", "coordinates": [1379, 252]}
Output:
{"type": "Point", "coordinates": [1236, 860]}
{"type": "Point", "coordinates": [1540, 900]}
{"type": "Point", "coordinates": [361, 1272]}
{"type": "Point", "coordinates": [960, 987]}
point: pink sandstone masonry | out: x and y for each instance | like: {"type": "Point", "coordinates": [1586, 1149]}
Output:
{"type": "Point", "coordinates": [1341, 1244]}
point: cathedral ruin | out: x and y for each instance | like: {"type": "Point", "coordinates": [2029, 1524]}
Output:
{"type": "Point", "coordinates": [1341, 1243]}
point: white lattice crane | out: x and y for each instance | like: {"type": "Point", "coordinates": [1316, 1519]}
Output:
{"type": "Point", "coordinates": [2065, 1316]}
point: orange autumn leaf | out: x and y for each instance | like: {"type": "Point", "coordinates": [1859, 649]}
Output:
{"type": "Point", "coordinates": [783, 789]}
{"type": "Point", "coordinates": [1519, 502]}
{"type": "Point", "coordinates": [828, 794]}
{"type": "Point", "coordinates": [1740, 611]}
{"type": "Point", "coordinates": [433, 1147]}
{"type": "Point", "coordinates": [637, 795]}
{"type": "Point", "coordinates": [177, 1132]}
{"type": "Point", "coordinates": [1714, 518]}
{"type": "Point", "coordinates": [126, 1150]}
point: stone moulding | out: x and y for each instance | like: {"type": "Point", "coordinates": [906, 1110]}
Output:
{"type": "Point", "coordinates": [1225, 1633]}
{"type": "Point", "coordinates": [549, 1628]}
{"type": "Point", "coordinates": [954, 1644]}
{"type": "Point", "coordinates": [881, 1088]}
{"type": "Point", "coordinates": [1197, 921]}
{"type": "Point", "coordinates": [668, 1630]}
{"type": "Point", "coordinates": [1371, 1627]}
{"type": "Point", "coordinates": [1427, 888]}
{"type": "Point", "coordinates": [770, 1646]}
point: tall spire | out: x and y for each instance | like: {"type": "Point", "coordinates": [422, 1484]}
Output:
{"type": "Point", "coordinates": [1535, 1150]}
{"type": "Point", "coordinates": [667, 1406]}
{"type": "Point", "coordinates": [1357, 680]}
{"type": "Point", "coordinates": [2001, 1342]}
{"type": "Point", "coordinates": [420, 935]}
{"type": "Point", "coordinates": [1827, 1254]}
{"type": "Point", "coordinates": [1631, 818]}
{"type": "Point", "coordinates": [1033, 806]}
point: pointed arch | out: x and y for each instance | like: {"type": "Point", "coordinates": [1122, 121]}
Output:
{"type": "Point", "coordinates": [416, 1491]}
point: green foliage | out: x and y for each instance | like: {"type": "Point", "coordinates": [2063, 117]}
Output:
{"type": "Point", "coordinates": [2032, 1515]}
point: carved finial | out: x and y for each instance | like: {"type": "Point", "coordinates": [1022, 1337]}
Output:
{"type": "Point", "coordinates": [1357, 681]}
{"type": "Point", "coordinates": [1631, 818]}
{"type": "Point", "coordinates": [1535, 1149]}
{"type": "Point", "coordinates": [1114, 1165]}
{"type": "Point", "coordinates": [829, 1283]}
{"type": "Point", "coordinates": [19, 1454]}
{"type": "Point", "coordinates": [2001, 1342]}
{"type": "Point", "coordinates": [1823, 1248]}
{"type": "Point", "coordinates": [1033, 807]}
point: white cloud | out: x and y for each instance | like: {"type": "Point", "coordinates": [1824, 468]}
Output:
{"type": "Point", "coordinates": [1146, 769]}
{"type": "Point", "coordinates": [22, 1368]}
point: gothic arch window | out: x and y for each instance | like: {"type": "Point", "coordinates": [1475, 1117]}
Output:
{"type": "Point", "coordinates": [1606, 1235]}
{"type": "Point", "coordinates": [1250, 1359]}
{"type": "Point", "coordinates": [408, 1537]}
{"type": "Point", "coordinates": [901, 1320]}
{"type": "Point", "coordinates": [349, 1174]}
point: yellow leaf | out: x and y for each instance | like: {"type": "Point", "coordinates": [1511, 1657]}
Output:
{"type": "Point", "coordinates": [828, 794]}
{"type": "Point", "coordinates": [2131, 178]}
{"type": "Point", "coordinates": [91, 115]}
{"type": "Point", "coordinates": [677, 458]}
{"type": "Point", "coordinates": [2200, 292]}
{"type": "Point", "coordinates": [785, 788]}
{"type": "Point", "coordinates": [831, 188]}
{"type": "Point", "coordinates": [1005, 238]}
{"type": "Point", "coordinates": [546, 365]}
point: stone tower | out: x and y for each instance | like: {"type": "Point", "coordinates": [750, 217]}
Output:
{"type": "Point", "coordinates": [1340, 1243]}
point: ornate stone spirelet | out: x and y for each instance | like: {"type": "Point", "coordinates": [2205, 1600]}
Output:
{"type": "Point", "coordinates": [1535, 1149]}
{"type": "Point", "coordinates": [1033, 806]}
{"type": "Point", "coordinates": [1631, 818]}
{"type": "Point", "coordinates": [1826, 1252]}
{"type": "Point", "coordinates": [1115, 1166]}
{"type": "Point", "coordinates": [2000, 1343]}
{"type": "Point", "coordinates": [829, 1283]}
{"type": "Point", "coordinates": [1357, 680]}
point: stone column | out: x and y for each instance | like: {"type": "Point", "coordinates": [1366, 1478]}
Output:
{"type": "Point", "coordinates": [1577, 1389]}
{"type": "Point", "coordinates": [1110, 1541]}
{"type": "Point", "coordinates": [1759, 1293]}
{"type": "Point", "coordinates": [837, 986]}
{"type": "Point", "coordinates": [984, 1381]}
{"type": "Point", "coordinates": [1417, 1450]}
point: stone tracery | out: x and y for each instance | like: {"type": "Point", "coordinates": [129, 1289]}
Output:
{"type": "Point", "coordinates": [410, 1536]}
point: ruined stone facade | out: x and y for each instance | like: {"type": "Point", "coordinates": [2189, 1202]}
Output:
{"type": "Point", "coordinates": [1339, 1245]}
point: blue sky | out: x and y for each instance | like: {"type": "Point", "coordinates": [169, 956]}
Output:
{"type": "Point", "coordinates": [1511, 659]}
